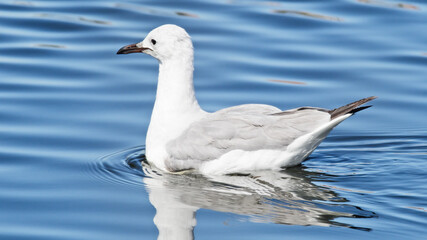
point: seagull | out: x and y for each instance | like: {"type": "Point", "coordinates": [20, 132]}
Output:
{"type": "Point", "coordinates": [235, 140]}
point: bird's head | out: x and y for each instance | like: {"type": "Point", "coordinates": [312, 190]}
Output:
{"type": "Point", "coordinates": [167, 42]}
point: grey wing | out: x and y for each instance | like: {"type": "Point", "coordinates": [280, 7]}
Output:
{"type": "Point", "coordinates": [245, 127]}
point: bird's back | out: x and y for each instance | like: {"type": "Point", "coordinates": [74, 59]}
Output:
{"type": "Point", "coordinates": [249, 127]}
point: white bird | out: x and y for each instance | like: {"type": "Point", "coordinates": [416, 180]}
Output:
{"type": "Point", "coordinates": [239, 139]}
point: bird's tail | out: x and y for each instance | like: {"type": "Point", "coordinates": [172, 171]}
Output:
{"type": "Point", "coordinates": [350, 108]}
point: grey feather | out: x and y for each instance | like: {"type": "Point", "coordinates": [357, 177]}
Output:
{"type": "Point", "coordinates": [246, 127]}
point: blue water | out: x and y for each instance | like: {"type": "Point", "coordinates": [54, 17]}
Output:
{"type": "Point", "coordinates": [73, 119]}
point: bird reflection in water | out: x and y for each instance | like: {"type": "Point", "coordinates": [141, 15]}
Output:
{"type": "Point", "coordinates": [288, 197]}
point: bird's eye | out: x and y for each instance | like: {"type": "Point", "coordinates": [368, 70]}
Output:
{"type": "Point", "coordinates": [153, 41]}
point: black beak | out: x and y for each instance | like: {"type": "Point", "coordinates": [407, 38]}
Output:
{"type": "Point", "coordinates": [131, 48]}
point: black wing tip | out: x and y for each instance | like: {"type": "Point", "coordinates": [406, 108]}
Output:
{"type": "Point", "coordinates": [359, 109]}
{"type": "Point", "coordinates": [371, 98]}
{"type": "Point", "coordinates": [351, 107]}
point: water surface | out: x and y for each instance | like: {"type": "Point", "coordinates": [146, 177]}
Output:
{"type": "Point", "coordinates": [73, 119]}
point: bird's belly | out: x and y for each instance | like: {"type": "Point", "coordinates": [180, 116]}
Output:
{"type": "Point", "coordinates": [240, 161]}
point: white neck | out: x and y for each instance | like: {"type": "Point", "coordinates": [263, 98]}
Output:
{"type": "Point", "coordinates": [175, 108]}
{"type": "Point", "coordinates": [175, 89]}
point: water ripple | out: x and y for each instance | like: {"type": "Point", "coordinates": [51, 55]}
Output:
{"type": "Point", "coordinates": [71, 18]}
{"type": "Point", "coordinates": [123, 167]}
{"type": "Point", "coordinates": [154, 11]}
{"type": "Point", "coordinates": [286, 197]}
{"type": "Point", "coordinates": [387, 4]}
{"type": "Point", "coordinates": [309, 15]}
